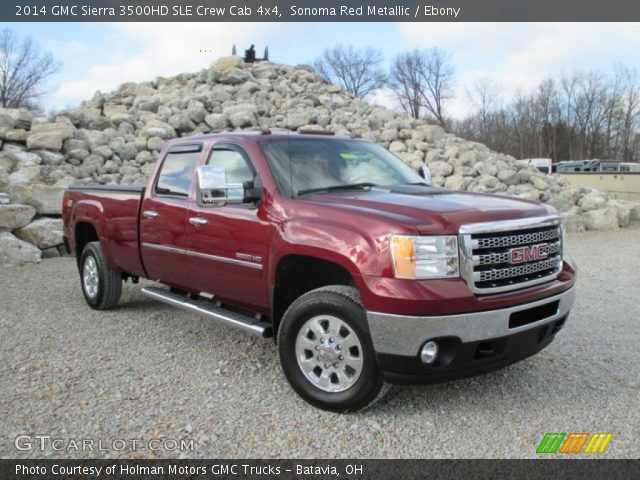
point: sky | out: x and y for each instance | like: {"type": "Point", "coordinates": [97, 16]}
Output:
{"type": "Point", "coordinates": [515, 56]}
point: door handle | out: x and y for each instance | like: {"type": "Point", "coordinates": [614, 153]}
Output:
{"type": "Point", "coordinates": [198, 221]}
{"type": "Point", "coordinates": [150, 214]}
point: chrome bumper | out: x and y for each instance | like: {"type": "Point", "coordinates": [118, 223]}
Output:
{"type": "Point", "coordinates": [404, 335]}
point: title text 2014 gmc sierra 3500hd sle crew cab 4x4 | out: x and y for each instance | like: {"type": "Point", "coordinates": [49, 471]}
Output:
{"type": "Point", "coordinates": [361, 270]}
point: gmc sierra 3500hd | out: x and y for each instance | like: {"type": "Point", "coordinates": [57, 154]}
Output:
{"type": "Point", "coordinates": [361, 270]}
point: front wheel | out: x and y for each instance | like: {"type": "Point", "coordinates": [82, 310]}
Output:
{"type": "Point", "coordinates": [101, 285]}
{"type": "Point", "coordinates": [326, 351]}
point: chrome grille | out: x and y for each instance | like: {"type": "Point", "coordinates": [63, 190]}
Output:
{"type": "Point", "coordinates": [526, 269]}
{"type": "Point", "coordinates": [511, 254]}
{"type": "Point", "coordinates": [520, 239]}
{"type": "Point", "coordinates": [491, 258]}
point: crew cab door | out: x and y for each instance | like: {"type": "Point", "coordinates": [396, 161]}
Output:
{"type": "Point", "coordinates": [163, 216]}
{"type": "Point", "coordinates": [228, 245]}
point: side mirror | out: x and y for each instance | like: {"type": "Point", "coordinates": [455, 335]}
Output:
{"type": "Point", "coordinates": [213, 188]}
{"type": "Point", "coordinates": [425, 173]}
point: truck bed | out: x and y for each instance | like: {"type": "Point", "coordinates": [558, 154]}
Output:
{"type": "Point", "coordinates": [108, 188]}
{"type": "Point", "coordinates": [113, 211]}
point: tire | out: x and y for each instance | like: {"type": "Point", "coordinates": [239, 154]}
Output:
{"type": "Point", "coordinates": [101, 285]}
{"type": "Point", "coordinates": [326, 351]}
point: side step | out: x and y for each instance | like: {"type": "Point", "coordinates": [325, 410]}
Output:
{"type": "Point", "coordinates": [207, 309]}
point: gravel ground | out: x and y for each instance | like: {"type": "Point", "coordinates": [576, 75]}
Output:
{"type": "Point", "coordinates": [148, 371]}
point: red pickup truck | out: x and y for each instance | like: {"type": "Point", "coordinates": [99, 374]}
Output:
{"type": "Point", "coordinates": [363, 273]}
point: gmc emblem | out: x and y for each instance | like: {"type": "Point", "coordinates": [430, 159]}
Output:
{"type": "Point", "coordinates": [528, 254]}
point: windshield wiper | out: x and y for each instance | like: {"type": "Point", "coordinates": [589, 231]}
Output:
{"type": "Point", "coordinates": [353, 186]}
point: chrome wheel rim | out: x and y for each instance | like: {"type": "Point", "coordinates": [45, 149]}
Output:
{"type": "Point", "coordinates": [90, 278]}
{"type": "Point", "coordinates": [329, 353]}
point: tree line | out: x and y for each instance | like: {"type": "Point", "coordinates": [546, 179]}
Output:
{"type": "Point", "coordinates": [578, 115]}
{"type": "Point", "coordinates": [581, 115]}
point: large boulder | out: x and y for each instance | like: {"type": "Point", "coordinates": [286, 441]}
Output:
{"type": "Point", "coordinates": [298, 118]}
{"type": "Point", "coordinates": [50, 158]}
{"type": "Point", "coordinates": [43, 233]}
{"type": "Point", "coordinates": [6, 122]}
{"type": "Point", "coordinates": [560, 203]}
{"type": "Point", "coordinates": [242, 115]}
{"type": "Point", "coordinates": [25, 175]}
{"type": "Point", "coordinates": [455, 182]}
{"type": "Point", "coordinates": [49, 136]}
{"type": "Point", "coordinates": [14, 251]}
{"type": "Point", "coordinates": [234, 76]}
{"type": "Point", "coordinates": [113, 109]}
{"type": "Point", "coordinates": [158, 128]}
{"type": "Point", "coordinates": [47, 200]}
{"type": "Point", "coordinates": [15, 216]}
{"type": "Point", "coordinates": [21, 117]}
{"type": "Point", "coordinates": [573, 221]}
{"type": "Point", "coordinates": [16, 135]}
{"type": "Point", "coordinates": [217, 121]}
{"type": "Point", "coordinates": [440, 169]}
{"type": "Point", "coordinates": [92, 138]}
{"type": "Point", "coordinates": [397, 147]}
{"type": "Point", "coordinates": [601, 219]}
{"type": "Point", "coordinates": [623, 212]}
{"type": "Point", "coordinates": [227, 63]}
{"type": "Point", "coordinates": [592, 201]}
{"type": "Point", "coordinates": [20, 158]}
{"type": "Point", "coordinates": [432, 133]}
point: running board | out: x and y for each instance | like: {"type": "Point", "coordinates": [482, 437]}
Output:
{"type": "Point", "coordinates": [207, 309]}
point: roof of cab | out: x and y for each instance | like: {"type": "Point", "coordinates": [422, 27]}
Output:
{"type": "Point", "coordinates": [266, 133]}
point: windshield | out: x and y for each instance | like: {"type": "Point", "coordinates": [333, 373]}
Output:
{"type": "Point", "coordinates": [314, 164]}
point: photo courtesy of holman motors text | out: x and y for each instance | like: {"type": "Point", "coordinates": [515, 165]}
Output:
{"type": "Point", "coordinates": [227, 469]}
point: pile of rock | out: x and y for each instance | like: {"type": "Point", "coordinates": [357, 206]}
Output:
{"type": "Point", "coordinates": [115, 138]}
{"type": "Point", "coordinates": [26, 237]}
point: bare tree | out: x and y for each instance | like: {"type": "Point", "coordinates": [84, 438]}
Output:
{"type": "Point", "coordinates": [422, 80]}
{"type": "Point", "coordinates": [359, 71]}
{"type": "Point", "coordinates": [484, 96]}
{"type": "Point", "coordinates": [23, 70]}
{"type": "Point", "coordinates": [438, 78]}
{"type": "Point", "coordinates": [406, 81]}
{"type": "Point", "coordinates": [630, 115]}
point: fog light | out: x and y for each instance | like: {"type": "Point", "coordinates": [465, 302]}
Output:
{"type": "Point", "coordinates": [429, 352]}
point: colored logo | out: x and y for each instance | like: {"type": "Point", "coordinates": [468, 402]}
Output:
{"type": "Point", "coordinates": [576, 442]}
{"type": "Point", "coordinates": [528, 254]}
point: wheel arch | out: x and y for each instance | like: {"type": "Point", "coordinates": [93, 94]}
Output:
{"type": "Point", "coordinates": [297, 274]}
{"type": "Point", "coordinates": [84, 232]}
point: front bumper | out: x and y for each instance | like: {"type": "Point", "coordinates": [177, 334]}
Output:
{"type": "Point", "coordinates": [470, 343]}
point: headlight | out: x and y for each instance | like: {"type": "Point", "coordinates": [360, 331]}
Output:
{"type": "Point", "coordinates": [425, 257]}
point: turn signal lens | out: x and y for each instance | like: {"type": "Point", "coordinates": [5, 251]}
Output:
{"type": "Point", "coordinates": [425, 257]}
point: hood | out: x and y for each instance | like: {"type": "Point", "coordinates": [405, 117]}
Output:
{"type": "Point", "coordinates": [431, 210]}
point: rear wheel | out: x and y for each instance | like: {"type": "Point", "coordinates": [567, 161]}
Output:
{"type": "Point", "coordinates": [326, 351]}
{"type": "Point", "coordinates": [101, 285]}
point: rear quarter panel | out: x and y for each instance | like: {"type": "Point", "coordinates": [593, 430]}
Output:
{"type": "Point", "coordinates": [114, 216]}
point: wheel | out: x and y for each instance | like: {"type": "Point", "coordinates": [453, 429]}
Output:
{"type": "Point", "coordinates": [101, 285]}
{"type": "Point", "coordinates": [326, 351]}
